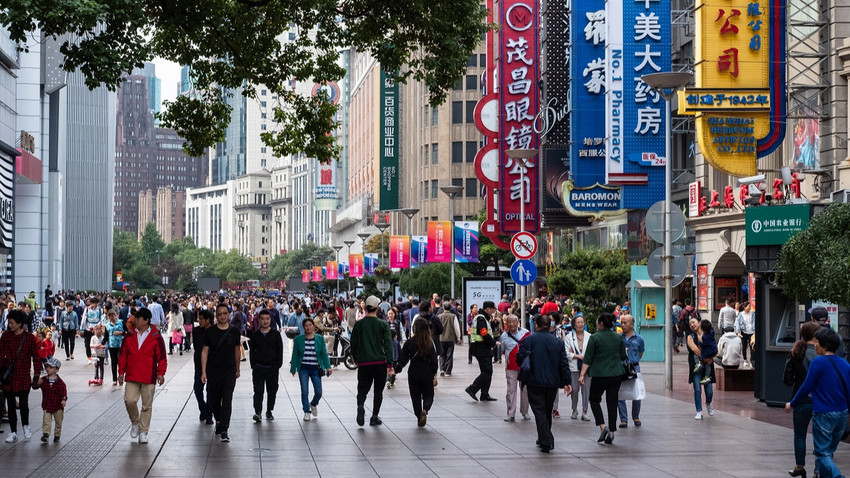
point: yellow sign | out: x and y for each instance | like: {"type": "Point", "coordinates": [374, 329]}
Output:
{"type": "Point", "coordinates": [650, 312]}
{"type": "Point", "coordinates": [732, 76]}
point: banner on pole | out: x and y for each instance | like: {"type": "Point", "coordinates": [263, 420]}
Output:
{"type": "Point", "coordinates": [466, 241]}
{"type": "Point", "coordinates": [399, 252]}
{"type": "Point", "coordinates": [333, 270]}
{"type": "Point", "coordinates": [418, 251]}
{"type": "Point", "coordinates": [439, 241]}
{"type": "Point", "coordinates": [355, 262]}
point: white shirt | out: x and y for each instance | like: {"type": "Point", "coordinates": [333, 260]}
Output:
{"type": "Point", "coordinates": [157, 314]}
{"type": "Point", "coordinates": [727, 317]}
{"type": "Point", "coordinates": [729, 348]}
{"type": "Point", "coordinates": [141, 336]}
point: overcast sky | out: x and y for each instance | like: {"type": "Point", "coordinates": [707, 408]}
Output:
{"type": "Point", "coordinates": [169, 73]}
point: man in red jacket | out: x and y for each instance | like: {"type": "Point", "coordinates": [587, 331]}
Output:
{"type": "Point", "coordinates": [142, 363]}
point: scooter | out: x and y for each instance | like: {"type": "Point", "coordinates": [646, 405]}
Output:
{"type": "Point", "coordinates": [342, 351]}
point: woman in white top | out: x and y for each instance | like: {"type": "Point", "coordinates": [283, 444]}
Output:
{"type": "Point", "coordinates": [576, 344]}
{"type": "Point", "coordinates": [175, 324]}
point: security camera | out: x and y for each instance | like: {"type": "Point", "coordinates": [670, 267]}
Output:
{"type": "Point", "coordinates": [758, 178]}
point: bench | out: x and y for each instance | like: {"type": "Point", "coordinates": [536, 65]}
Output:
{"type": "Point", "coordinates": [735, 380]}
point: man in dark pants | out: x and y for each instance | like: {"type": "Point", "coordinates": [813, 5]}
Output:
{"type": "Point", "coordinates": [199, 339]}
{"type": "Point", "coordinates": [550, 370]}
{"type": "Point", "coordinates": [220, 368]}
{"type": "Point", "coordinates": [266, 359]}
{"type": "Point", "coordinates": [371, 347]}
{"type": "Point", "coordinates": [450, 336]}
{"type": "Point", "coordinates": [482, 349]}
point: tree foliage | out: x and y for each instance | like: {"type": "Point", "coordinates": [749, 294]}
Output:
{"type": "Point", "coordinates": [290, 264]}
{"type": "Point", "coordinates": [593, 278]}
{"type": "Point", "coordinates": [426, 280]}
{"type": "Point", "coordinates": [489, 254]}
{"type": "Point", "coordinates": [234, 45]}
{"type": "Point", "coordinates": [374, 243]}
{"type": "Point", "coordinates": [815, 263]}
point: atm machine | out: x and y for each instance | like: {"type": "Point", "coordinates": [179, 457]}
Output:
{"type": "Point", "coordinates": [778, 320]}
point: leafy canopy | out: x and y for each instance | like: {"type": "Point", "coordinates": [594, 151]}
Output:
{"type": "Point", "coordinates": [815, 263]}
{"type": "Point", "coordinates": [593, 278]}
{"type": "Point", "coordinates": [233, 45]}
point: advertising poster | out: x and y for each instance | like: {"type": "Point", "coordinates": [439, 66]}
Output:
{"type": "Point", "coordinates": [702, 287]}
{"type": "Point", "coordinates": [418, 251]}
{"type": "Point", "coordinates": [466, 241]}
{"type": "Point", "coordinates": [476, 290]}
{"type": "Point", "coordinates": [726, 288]}
{"type": "Point", "coordinates": [439, 241]}
{"type": "Point", "coordinates": [370, 263]}
{"type": "Point", "coordinates": [355, 262]}
{"type": "Point", "coordinates": [388, 166]}
{"type": "Point", "coordinates": [399, 252]}
{"type": "Point", "coordinates": [305, 275]}
{"type": "Point", "coordinates": [333, 270]}
{"type": "Point", "coordinates": [752, 290]}
{"type": "Point", "coordinates": [317, 274]}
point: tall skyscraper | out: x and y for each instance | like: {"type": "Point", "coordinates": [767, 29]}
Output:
{"type": "Point", "coordinates": [154, 86]}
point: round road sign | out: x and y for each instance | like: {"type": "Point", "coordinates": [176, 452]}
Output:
{"type": "Point", "coordinates": [524, 245]}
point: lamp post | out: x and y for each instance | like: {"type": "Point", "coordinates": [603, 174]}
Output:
{"type": "Point", "coordinates": [382, 226]}
{"type": "Point", "coordinates": [409, 212]}
{"type": "Point", "coordinates": [337, 248]}
{"type": "Point", "coordinates": [667, 85]}
{"type": "Point", "coordinates": [522, 155]}
{"type": "Point", "coordinates": [348, 244]}
{"type": "Point", "coordinates": [452, 192]}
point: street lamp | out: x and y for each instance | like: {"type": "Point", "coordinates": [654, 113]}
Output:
{"type": "Point", "coordinates": [667, 85]}
{"type": "Point", "coordinates": [452, 192]}
{"type": "Point", "coordinates": [382, 226]}
{"type": "Point", "coordinates": [337, 249]}
{"type": "Point", "coordinates": [409, 212]}
{"type": "Point", "coordinates": [348, 244]}
{"type": "Point", "coordinates": [522, 156]}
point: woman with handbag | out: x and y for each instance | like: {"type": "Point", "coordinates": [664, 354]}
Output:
{"type": "Point", "coordinates": [796, 369]}
{"type": "Point", "coordinates": [421, 352]}
{"type": "Point", "coordinates": [175, 329]}
{"type": "Point", "coordinates": [603, 360]}
{"type": "Point", "coordinates": [309, 359]}
{"type": "Point", "coordinates": [576, 344]}
{"type": "Point", "coordinates": [694, 354]}
{"type": "Point", "coordinates": [18, 349]}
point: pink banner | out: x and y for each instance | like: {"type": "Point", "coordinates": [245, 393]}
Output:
{"type": "Point", "coordinates": [333, 270]}
{"type": "Point", "coordinates": [317, 274]}
{"type": "Point", "coordinates": [355, 265]}
{"type": "Point", "coordinates": [305, 275]}
{"type": "Point", "coordinates": [439, 241]}
{"type": "Point", "coordinates": [399, 252]}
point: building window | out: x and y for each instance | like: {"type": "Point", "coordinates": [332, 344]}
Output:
{"type": "Point", "coordinates": [457, 112]}
{"type": "Point", "coordinates": [473, 61]}
{"type": "Point", "coordinates": [291, 36]}
{"type": "Point", "coordinates": [457, 182]}
{"type": "Point", "coordinates": [262, 115]}
{"type": "Point", "coordinates": [457, 151]}
{"type": "Point", "coordinates": [435, 153]}
{"type": "Point", "coordinates": [483, 60]}
{"type": "Point", "coordinates": [434, 189]}
{"type": "Point", "coordinates": [470, 112]}
{"type": "Point", "coordinates": [263, 92]}
{"type": "Point", "coordinates": [425, 155]}
{"type": "Point", "coordinates": [458, 86]}
{"type": "Point", "coordinates": [263, 127]}
{"type": "Point", "coordinates": [471, 188]}
{"type": "Point", "coordinates": [262, 104]}
{"type": "Point", "coordinates": [435, 116]}
{"type": "Point", "coordinates": [471, 151]}
{"type": "Point", "coordinates": [472, 82]}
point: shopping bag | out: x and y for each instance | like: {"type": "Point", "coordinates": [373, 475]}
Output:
{"type": "Point", "coordinates": [176, 337]}
{"type": "Point", "coordinates": [632, 389]}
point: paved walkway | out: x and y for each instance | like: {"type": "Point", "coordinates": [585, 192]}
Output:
{"type": "Point", "coordinates": [462, 438]}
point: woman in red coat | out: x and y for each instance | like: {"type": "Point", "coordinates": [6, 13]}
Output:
{"type": "Point", "coordinates": [18, 387]}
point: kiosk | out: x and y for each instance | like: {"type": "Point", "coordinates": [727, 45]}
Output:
{"type": "Point", "coordinates": [649, 311]}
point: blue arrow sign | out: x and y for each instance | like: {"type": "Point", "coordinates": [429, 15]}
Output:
{"type": "Point", "coordinates": [523, 272]}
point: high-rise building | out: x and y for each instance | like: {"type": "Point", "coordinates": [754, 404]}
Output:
{"type": "Point", "coordinates": [9, 62]}
{"type": "Point", "coordinates": [166, 210]}
{"type": "Point", "coordinates": [253, 213]}
{"type": "Point", "coordinates": [147, 157]}
{"type": "Point", "coordinates": [154, 86]}
{"type": "Point", "coordinates": [210, 216]}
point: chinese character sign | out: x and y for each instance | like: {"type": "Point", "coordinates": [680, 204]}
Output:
{"type": "Point", "coordinates": [333, 270]}
{"type": "Point", "coordinates": [439, 241]}
{"type": "Point", "coordinates": [326, 193]}
{"type": "Point", "coordinates": [389, 147]}
{"type": "Point", "coordinates": [399, 252]}
{"type": "Point", "coordinates": [370, 263]}
{"type": "Point", "coordinates": [418, 250]}
{"type": "Point", "coordinates": [317, 274]}
{"type": "Point", "coordinates": [305, 275]}
{"type": "Point", "coordinates": [466, 241]}
{"type": "Point", "coordinates": [355, 262]}
{"type": "Point", "coordinates": [519, 103]}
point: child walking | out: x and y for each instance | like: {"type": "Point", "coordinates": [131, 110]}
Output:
{"type": "Point", "coordinates": [98, 348]}
{"type": "Point", "coordinates": [708, 349]}
{"type": "Point", "coordinates": [46, 347]}
{"type": "Point", "coordinates": [54, 395]}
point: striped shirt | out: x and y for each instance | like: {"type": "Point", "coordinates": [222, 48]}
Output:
{"type": "Point", "coordinates": [310, 353]}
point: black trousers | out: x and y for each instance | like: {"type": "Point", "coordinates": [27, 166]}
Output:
{"type": "Point", "coordinates": [421, 385]}
{"type": "Point", "coordinates": [371, 376]}
{"type": "Point", "coordinates": [23, 399]}
{"type": "Point", "coordinates": [485, 376]}
{"type": "Point", "coordinates": [610, 386]}
{"type": "Point", "coordinates": [87, 335]}
{"type": "Point", "coordinates": [220, 385]}
{"type": "Point", "coordinates": [69, 340]}
{"type": "Point", "coordinates": [113, 362]}
{"type": "Point", "coordinates": [447, 357]}
{"type": "Point", "coordinates": [542, 402]}
{"type": "Point", "coordinates": [264, 378]}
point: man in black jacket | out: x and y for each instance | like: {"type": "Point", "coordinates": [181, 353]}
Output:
{"type": "Point", "coordinates": [482, 343]}
{"type": "Point", "coordinates": [266, 359]}
{"type": "Point", "coordinates": [550, 370]}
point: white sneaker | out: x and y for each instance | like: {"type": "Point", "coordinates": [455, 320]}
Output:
{"type": "Point", "coordinates": [314, 410]}
{"type": "Point", "coordinates": [12, 438]}
{"type": "Point", "coordinates": [710, 411]}
{"type": "Point", "coordinates": [698, 416]}
{"type": "Point", "coordinates": [143, 438]}
{"type": "Point", "coordinates": [307, 417]}
{"type": "Point", "coordinates": [134, 431]}
{"type": "Point", "coordinates": [27, 432]}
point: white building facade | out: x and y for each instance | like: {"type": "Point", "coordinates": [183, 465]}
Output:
{"type": "Point", "coordinates": [210, 216]}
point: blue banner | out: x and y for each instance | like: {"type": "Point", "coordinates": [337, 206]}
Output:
{"type": "Point", "coordinates": [370, 263]}
{"type": "Point", "coordinates": [466, 241]}
{"type": "Point", "coordinates": [418, 250]}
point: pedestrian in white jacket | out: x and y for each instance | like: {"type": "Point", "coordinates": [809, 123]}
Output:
{"type": "Point", "coordinates": [576, 344]}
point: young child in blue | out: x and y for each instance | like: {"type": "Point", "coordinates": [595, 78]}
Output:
{"type": "Point", "coordinates": [708, 349]}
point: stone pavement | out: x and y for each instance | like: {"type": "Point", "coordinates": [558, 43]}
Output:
{"type": "Point", "coordinates": [462, 438]}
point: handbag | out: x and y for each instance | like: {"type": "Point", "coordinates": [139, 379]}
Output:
{"type": "Point", "coordinates": [629, 372]}
{"type": "Point", "coordinates": [9, 370]}
{"type": "Point", "coordinates": [632, 389]}
{"type": "Point", "coordinates": [176, 337]}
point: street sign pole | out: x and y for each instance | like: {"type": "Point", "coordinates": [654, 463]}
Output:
{"type": "Point", "coordinates": [522, 229]}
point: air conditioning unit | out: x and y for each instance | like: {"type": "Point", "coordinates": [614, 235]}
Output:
{"type": "Point", "coordinates": [842, 196]}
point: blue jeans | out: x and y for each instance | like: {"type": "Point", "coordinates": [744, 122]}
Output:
{"type": "Point", "coordinates": [624, 413]}
{"type": "Point", "coordinates": [203, 404]}
{"type": "Point", "coordinates": [827, 428]}
{"type": "Point", "coordinates": [802, 417]}
{"type": "Point", "coordinates": [709, 390]}
{"type": "Point", "coordinates": [312, 374]}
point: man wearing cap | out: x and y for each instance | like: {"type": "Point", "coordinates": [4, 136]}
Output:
{"type": "Point", "coordinates": [821, 316]}
{"type": "Point", "coordinates": [142, 363]}
{"type": "Point", "coordinates": [482, 342]}
{"type": "Point", "coordinates": [371, 347]}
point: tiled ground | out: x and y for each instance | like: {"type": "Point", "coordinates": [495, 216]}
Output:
{"type": "Point", "coordinates": [463, 438]}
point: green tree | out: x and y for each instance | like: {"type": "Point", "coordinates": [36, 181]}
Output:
{"type": "Point", "coordinates": [233, 43]}
{"type": "Point", "coordinates": [373, 245]}
{"type": "Point", "coordinates": [426, 280]}
{"type": "Point", "coordinates": [593, 278]}
{"type": "Point", "coordinates": [141, 276]}
{"type": "Point", "coordinates": [151, 244]}
{"type": "Point", "coordinates": [290, 264]}
{"type": "Point", "coordinates": [489, 254]}
{"type": "Point", "coordinates": [815, 263]}
{"type": "Point", "coordinates": [125, 250]}
{"type": "Point", "coordinates": [233, 266]}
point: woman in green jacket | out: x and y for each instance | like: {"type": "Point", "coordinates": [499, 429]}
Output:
{"type": "Point", "coordinates": [310, 360]}
{"type": "Point", "coordinates": [603, 359]}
